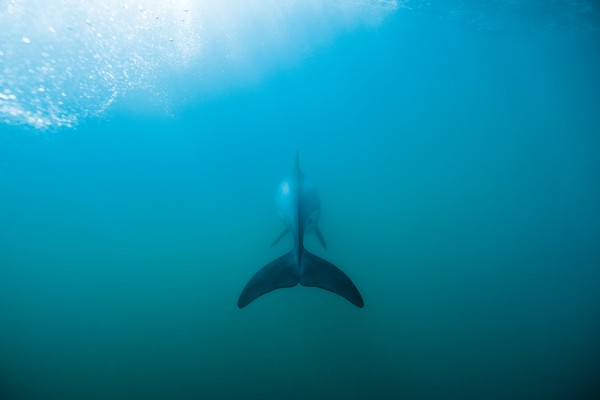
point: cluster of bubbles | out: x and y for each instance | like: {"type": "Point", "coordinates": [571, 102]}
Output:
{"type": "Point", "coordinates": [63, 60]}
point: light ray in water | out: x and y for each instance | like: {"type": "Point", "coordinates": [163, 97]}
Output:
{"type": "Point", "coordinates": [64, 60]}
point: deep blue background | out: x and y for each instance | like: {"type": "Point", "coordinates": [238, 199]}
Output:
{"type": "Point", "coordinates": [459, 174]}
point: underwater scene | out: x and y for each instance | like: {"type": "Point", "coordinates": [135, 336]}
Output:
{"type": "Point", "coordinates": [344, 199]}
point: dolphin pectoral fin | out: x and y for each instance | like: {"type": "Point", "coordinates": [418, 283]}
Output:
{"type": "Point", "coordinates": [280, 273]}
{"type": "Point", "coordinates": [318, 272]}
{"type": "Point", "coordinates": [285, 232]}
{"type": "Point", "coordinates": [320, 237]}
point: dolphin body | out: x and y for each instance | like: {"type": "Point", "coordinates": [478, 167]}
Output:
{"type": "Point", "coordinates": [299, 205]}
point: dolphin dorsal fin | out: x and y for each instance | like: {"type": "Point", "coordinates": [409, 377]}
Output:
{"type": "Point", "coordinates": [297, 171]}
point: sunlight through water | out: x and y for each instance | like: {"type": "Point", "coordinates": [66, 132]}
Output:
{"type": "Point", "coordinates": [64, 60]}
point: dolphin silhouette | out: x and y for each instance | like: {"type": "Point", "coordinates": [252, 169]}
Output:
{"type": "Point", "coordinates": [299, 205]}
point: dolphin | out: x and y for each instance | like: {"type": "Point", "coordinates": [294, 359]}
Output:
{"type": "Point", "coordinates": [299, 205]}
{"type": "Point", "coordinates": [314, 210]}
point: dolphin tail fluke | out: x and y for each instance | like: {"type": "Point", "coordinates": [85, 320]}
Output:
{"type": "Point", "coordinates": [280, 273]}
{"type": "Point", "coordinates": [323, 274]}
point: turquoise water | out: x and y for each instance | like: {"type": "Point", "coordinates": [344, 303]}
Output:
{"type": "Point", "coordinates": [457, 154]}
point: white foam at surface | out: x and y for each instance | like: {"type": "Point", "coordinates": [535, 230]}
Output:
{"type": "Point", "coordinates": [64, 60]}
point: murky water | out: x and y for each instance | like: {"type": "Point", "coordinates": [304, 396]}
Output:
{"type": "Point", "coordinates": [455, 147]}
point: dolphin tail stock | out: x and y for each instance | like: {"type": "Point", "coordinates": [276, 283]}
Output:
{"type": "Point", "coordinates": [279, 273]}
{"type": "Point", "coordinates": [318, 272]}
{"type": "Point", "coordinates": [317, 232]}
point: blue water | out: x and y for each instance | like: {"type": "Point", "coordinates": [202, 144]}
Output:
{"type": "Point", "coordinates": [457, 154]}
